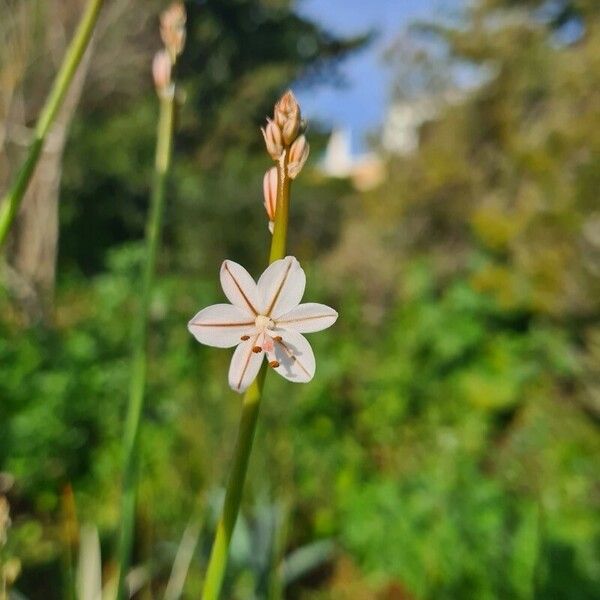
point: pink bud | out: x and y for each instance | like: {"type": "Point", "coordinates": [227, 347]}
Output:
{"type": "Point", "coordinates": [270, 192]}
{"type": "Point", "coordinates": [161, 70]}
{"type": "Point", "coordinates": [273, 140]}
{"type": "Point", "coordinates": [287, 116]}
{"type": "Point", "coordinates": [172, 29]}
{"type": "Point", "coordinates": [298, 155]}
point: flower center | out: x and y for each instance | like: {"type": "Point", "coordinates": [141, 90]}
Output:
{"type": "Point", "coordinates": [263, 323]}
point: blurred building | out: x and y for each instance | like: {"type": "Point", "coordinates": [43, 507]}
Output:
{"type": "Point", "coordinates": [365, 170]}
{"type": "Point", "coordinates": [400, 136]}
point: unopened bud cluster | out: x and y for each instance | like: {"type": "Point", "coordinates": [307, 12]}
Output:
{"type": "Point", "coordinates": [286, 144]}
{"type": "Point", "coordinates": [172, 33]}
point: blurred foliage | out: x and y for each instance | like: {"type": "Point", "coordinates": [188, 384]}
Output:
{"type": "Point", "coordinates": [449, 443]}
{"type": "Point", "coordinates": [240, 56]}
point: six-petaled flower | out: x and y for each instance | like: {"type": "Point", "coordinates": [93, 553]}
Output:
{"type": "Point", "coordinates": [264, 319]}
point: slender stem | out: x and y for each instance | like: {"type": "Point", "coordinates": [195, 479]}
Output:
{"type": "Point", "coordinates": [279, 241]}
{"type": "Point", "coordinates": [235, 486]}
{"type": "Point", "coordinates": [183, 559]}
{"type": "Point", "coordinates": [140, 333]}
{"type": "Point", "coordinates": [11, 202]}
{"type": "Point", "coordinates": [217, 562]}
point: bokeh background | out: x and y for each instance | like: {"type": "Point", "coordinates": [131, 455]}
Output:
{"type": "Point", "coordinates": [448, 447]}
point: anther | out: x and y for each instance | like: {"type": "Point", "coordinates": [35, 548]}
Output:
{"type": "Point", "coordinates": [278, 338]}
{"type": "Point", "coordinates": [245, 338]}
{"type": "Point", "coordinates": [274, 364]}
{"type": "Point", "coordinates": [256, 349]}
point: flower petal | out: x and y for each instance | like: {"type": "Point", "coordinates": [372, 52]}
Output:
{"type": "Point", "coordinates": [308, 317]}
{"type": "Point", "coordinates": [294, 355]}
{"type": "Point", "coordinates": [221, 325]}
{"type": "Point", "coordinates": [245, 364]}
{"type": "Point", "coordinates": [239, 287]}
{"type": "Point", "coordinates": [281, 287]}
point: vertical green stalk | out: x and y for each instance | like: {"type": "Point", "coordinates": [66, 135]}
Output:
{"type": "Point", "coordinates": [140, 334]}
{"type": "Point", "coordinates": [11, 202]}
{"type": "Point", "coordinates": [279, 241]}
{"type": "Point", "coordinates": [250, 406]}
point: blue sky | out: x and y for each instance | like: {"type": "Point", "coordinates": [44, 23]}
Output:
{"type": "Point", "coordinates": [361, 105]}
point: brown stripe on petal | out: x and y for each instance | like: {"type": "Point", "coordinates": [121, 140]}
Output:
{"type": "Point", "coordinates": [221, 324]}
{"type": "Point", "coordinates": [239, 287]}
{"type": "Point", "coordinates": [293, 357]}
{"type": "Point", "coordinates": [305, 319]}
{"type": "Point", "coordinates": [251, 347]}
{"type": "Point", "coordinates": [278, 292]}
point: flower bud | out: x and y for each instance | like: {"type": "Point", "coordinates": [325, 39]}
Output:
{"type": "Point", "coordinates": [287, 116]}
{"type": "Point", "coordinates": [161, 71]}
{"type": "Point", "coordinates": [298, 155]}
{"type": "Point", "coordinates": [172, 29]}
{"type": "Point", "coordinates": [270, 193]}
{"type": "Point", "coordinates": [273, 140]}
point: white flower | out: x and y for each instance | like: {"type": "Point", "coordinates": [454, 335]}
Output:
{"type": "Point", "coordinates": [264, 318]}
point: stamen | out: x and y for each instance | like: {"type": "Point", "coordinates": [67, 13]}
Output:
{"type": "Point", "coordinates": [256, 349]}
{"type": "Point", "coordinates": [274, 364]}
{"type": "Point", "coordinates": [278, 338]}
{"type": "Point", "coordinates": [245, 338]}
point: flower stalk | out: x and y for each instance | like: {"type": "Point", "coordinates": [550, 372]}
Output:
{"type": "Point", "coordinates": [282, 213]}
{"type": "Point", "coordinates": [264, 320]}
{"type": "Point", "coordinates": [247, 428]}
{"type": "Point", "coordinates": [235, 486]}
{"type": "Point", "coordinates": [217, 562]}
{"type": "Point", "coordinates": [140, 335]}
{"type": "Point", "coordinates": [173, 32]}
{"type": "Point", "coordinates": [9, 206]}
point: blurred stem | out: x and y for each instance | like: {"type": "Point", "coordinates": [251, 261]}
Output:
{"type": "Point", "coordinates": [70, 540]}
{"type": "Point", "coordinates": [183, 559]}
{"type": "Point", "coordinates": [140, 333]}
{"type": "Point", "coordinates": [217, 562]}
{"type": "Point", "coordinates": [9, 206]}
{"type": "Point", "coordinates": [276, 583]}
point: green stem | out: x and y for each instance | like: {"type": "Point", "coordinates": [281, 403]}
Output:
{"type": "Point", "coordinates": [235, 486]}
{"type": "Point", "coordinates": [217, 562]}
{"type": "Point", "coordinates": [279, 241]}
{"type": "Point", "coordinates": [11, 202]}
{"type": "Point", "coordinates": [140, 334]}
